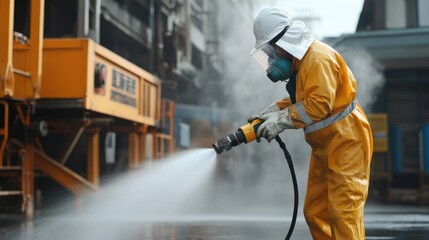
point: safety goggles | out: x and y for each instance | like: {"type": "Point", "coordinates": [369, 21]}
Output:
{"type": "Point", "coordinates": [266, 54]}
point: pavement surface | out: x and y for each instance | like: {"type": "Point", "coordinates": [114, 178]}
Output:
{"type": "Point", "coordinates": [382, 222]}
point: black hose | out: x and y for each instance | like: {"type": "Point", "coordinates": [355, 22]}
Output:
{"type": "Point", "coordinates": [295, 186]}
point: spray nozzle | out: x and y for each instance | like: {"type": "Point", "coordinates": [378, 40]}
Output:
{"type": "Point", "coordinates": [221, 144]}
{"type": "Point", "coordinates": [246, 133]}
{"type": "Point", "coordinates": [227, 142]}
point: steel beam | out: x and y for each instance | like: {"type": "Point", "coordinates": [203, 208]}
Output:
{"type": "Point", "coordinates": [63, 175]}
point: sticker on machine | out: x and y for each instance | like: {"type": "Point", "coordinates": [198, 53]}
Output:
{"type": "Point", "coordinates": [100, 75]}
{"type": "Point", "coordinates": [123, 88]}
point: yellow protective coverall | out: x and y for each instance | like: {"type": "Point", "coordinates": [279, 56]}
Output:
{"type": "Point", "coordinates": [339, 169]}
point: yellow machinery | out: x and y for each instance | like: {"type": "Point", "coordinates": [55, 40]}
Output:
{"type": "Point", "coordinates": [70, 90]}
{"type": "Point", "coordinates": [81, 69]}
{"type": "Point", "coordinates": [381, 173]}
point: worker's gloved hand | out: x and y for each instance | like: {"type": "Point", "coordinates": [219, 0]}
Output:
{"type": "Point", "coordinates": [273, 107]}
{"type": "Point", "coordinates": [274, 123]}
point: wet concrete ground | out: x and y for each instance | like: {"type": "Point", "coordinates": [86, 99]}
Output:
{"type": "Point", "coordinates": [382, 222]}
{"type": "Point", "coordinates": [397, 222]}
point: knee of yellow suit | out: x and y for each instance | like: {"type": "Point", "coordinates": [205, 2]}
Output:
{"type": "Point", "coordinates": [307, 212]}
{"type": "Point", "coordinates": [311, 216]}
{"type": "Point", "coordinates": [353, 215]}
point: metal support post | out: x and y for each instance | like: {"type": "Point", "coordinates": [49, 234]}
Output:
{"type": "Point", "coordinates": [6, 47]}
{"type": "Point", "coordinates": [36, 44]}
{"type": "Point", "coordinates": [133, 151]}
{"type": "Point", "coordinates": [93, 158]}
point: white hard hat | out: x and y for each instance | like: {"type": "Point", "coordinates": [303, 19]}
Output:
{"type": "Point", "coordinates": [270, 22]}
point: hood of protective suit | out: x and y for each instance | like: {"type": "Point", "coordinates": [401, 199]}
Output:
{"type": "Point", "coordinates": [271, 21]}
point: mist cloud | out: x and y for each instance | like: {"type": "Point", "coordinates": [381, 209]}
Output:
{"type": "Point", "coordinates": [368, 73]}
{"type": "Point", "coordinates": [257, 175]}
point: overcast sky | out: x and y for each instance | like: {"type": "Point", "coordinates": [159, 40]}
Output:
{"type": "Point", "coordinates": [336, 16]}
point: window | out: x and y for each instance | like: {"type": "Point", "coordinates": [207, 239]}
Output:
{"type": "Point", "coordinates": [197, 57]}
{"type": "Point", "coordinates": [423, 16]}
{"type": "Point", "coordinates": [396, 14]}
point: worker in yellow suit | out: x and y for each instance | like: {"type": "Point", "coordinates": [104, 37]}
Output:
{"type": "Point", "coordinates": [322, 101]}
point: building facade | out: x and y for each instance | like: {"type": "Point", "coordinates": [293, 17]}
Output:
{"type": "Point", "coordinates": [395, 37]}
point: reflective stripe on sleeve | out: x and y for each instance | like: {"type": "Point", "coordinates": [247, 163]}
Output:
{"type": "Point", "coordinates": [332, 119]}
{"type": "Point", "coordinates": [303, 114]}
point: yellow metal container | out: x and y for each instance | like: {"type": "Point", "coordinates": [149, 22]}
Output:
{"type": "Point", "coordinates": [82, 69]}
{"type": "Point", "coordinates": [379, 127]}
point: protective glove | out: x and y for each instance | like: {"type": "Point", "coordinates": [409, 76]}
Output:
{"type": "Point", "coordinates": [273, 107]}
{"type": "Point", "coordinates": [274, 123]}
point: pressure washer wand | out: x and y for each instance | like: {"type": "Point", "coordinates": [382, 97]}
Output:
{"type": "Point", "coordinates": [245, 134]}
